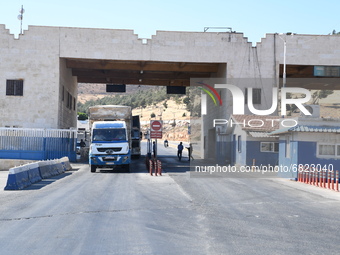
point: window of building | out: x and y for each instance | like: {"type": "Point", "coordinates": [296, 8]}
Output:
{"type": "Point", "coordinates": [14, 87]}
{"type": "Point", "coordinates": [239, 144]}
{"type": "Point", "coordinates": [70, 100]}
{"type": "Point", "coordinates": [328, 150]}
{"type": "Point", "coordinates": [269, 147]}
{"type": "Point", "coordinates": [256, 96]}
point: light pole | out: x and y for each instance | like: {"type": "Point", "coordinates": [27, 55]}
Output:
{"type": "Point", "coordinates": [284, 75]}
{"type": "Point", "coordinates": [284, 56]}
{"type": "Point", "coordinates": [20, 17]}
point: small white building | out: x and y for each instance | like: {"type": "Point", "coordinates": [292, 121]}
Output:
{"type": "Point", "coordinates": [314, 143]}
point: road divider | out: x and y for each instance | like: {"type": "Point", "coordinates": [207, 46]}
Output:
{"type": "Point", "coordinates": [23, 176]}
{"type": "Point", "coordinates": [323, 178]}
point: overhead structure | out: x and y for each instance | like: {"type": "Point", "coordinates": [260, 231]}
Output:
{"type": "Point", "coordinates": [139, 72]}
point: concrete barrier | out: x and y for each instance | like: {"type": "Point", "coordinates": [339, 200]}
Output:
{"type": "Point", "coordinates": [45, 169]}
{"type": "Point", "coordinates": [23, 176]}
{"type": "Point", "coordinates": [59, 167]}
{"type": "Point", "coordinates": [18, 178]}
{"type": "Point", "coordinates": [34, 173]}
{"type": "Point", "coordinates": [66, 163]}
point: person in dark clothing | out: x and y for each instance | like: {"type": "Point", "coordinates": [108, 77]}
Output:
{"type": "Point", "coordinates": [154, 149]}
{"type": "Point", "coordinates": [82, 143]}
{"type": "Point", "coordinates": [179, 151]}
{"type": "Point", "coordinates": [190, 152]}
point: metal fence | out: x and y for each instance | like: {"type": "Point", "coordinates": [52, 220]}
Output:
{"type": "Point", "coordinates": [37, 144]}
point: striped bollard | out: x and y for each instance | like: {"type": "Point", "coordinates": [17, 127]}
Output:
{"type": "Point", "coordinates": [337, 180]}
{"type": "Point", "coordinates": [300, 174]}
{"type": "Point", "coordinates": [320, 179]}
{"type": "Point", "coordinates": [159, 167]}
{"type": "Point", "coordinates": [150, 166]}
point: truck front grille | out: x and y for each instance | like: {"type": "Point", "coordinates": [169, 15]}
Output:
{"type": "Point", "coordinates": [116, 149]}
{"type": "Point", "coordinates": [109, 158]}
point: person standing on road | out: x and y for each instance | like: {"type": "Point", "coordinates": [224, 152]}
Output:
{"type": "Point", "coordinates": [179, 151]}
{"type": "Point", "coordinates": [190, 152]}
{"type": "Point", "coordinates": [154, 149]}
{"type": "Point", "coordinates": [82, 143]}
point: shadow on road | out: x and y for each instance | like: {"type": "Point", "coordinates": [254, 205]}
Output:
{"type": "Point", "coordinates": [48, 181]}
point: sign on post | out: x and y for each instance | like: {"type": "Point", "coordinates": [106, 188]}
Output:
{"type": "Point", "coordinates": [156, 129]}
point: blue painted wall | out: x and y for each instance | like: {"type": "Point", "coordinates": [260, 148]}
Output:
{"type": "Point", "coordinates": [287, 163]}
{"type": "Point", "coordinates": [261, 158]}
{"type": "Point", "coordinates": [307, 155]}
{"type": "Point", "coordinates": [32, 148]}
{"type": "Point", "coordinates": [302, 153]}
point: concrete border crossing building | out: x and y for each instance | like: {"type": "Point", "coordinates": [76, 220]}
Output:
{"type": "Point", "coordinates": [40, 70]}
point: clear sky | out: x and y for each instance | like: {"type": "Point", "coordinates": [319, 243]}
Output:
{"type": "Point", "coordinates": [254, 18]}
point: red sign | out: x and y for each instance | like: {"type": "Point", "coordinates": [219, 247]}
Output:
{"type": "Point", "coordinates": [156, 129]}
{"type": "Point", "coordinates": [156, 125]}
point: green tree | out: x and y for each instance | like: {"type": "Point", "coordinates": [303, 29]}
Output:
{"type": "Point", "coordinates": [187, 102]}
{"type": "Point", "coordinates": [82, 116]}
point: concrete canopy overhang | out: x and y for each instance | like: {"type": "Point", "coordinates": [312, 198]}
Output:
{"type": "Point", "coordinates": [160, 73]}
{"type": "Point", "coordinates": [303, 76]}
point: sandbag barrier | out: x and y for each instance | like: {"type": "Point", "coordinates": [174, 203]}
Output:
{"type": "Point", "coordinates": [23, 176]}
{"type": "Point", "coordinates": [328, 179]}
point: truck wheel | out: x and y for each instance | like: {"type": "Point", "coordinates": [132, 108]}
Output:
{"type": "Point", "coordinates": [93, 168]}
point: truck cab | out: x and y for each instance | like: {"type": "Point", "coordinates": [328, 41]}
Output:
{"type": "Point", "coordinates": [110, 145]}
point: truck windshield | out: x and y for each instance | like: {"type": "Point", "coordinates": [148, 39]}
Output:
{"type": "Point", "coordinates": [135, 134]}
{"type": "Point", "coordinates": [102, 134]}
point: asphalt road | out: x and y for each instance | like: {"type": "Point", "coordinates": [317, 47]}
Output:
{"type": "Point", "coordinates": [134, 213]}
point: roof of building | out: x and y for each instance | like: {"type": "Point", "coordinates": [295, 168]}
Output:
{"type": "Point", "coordinates": [307, 128]}
{"type": "Point", "coordinates": [256, 123]}
{"type": "Point", "coordinates": [261, 134]}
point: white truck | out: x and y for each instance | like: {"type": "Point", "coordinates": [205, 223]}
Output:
{"type": "Point", "coordinates": [111, 142]}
